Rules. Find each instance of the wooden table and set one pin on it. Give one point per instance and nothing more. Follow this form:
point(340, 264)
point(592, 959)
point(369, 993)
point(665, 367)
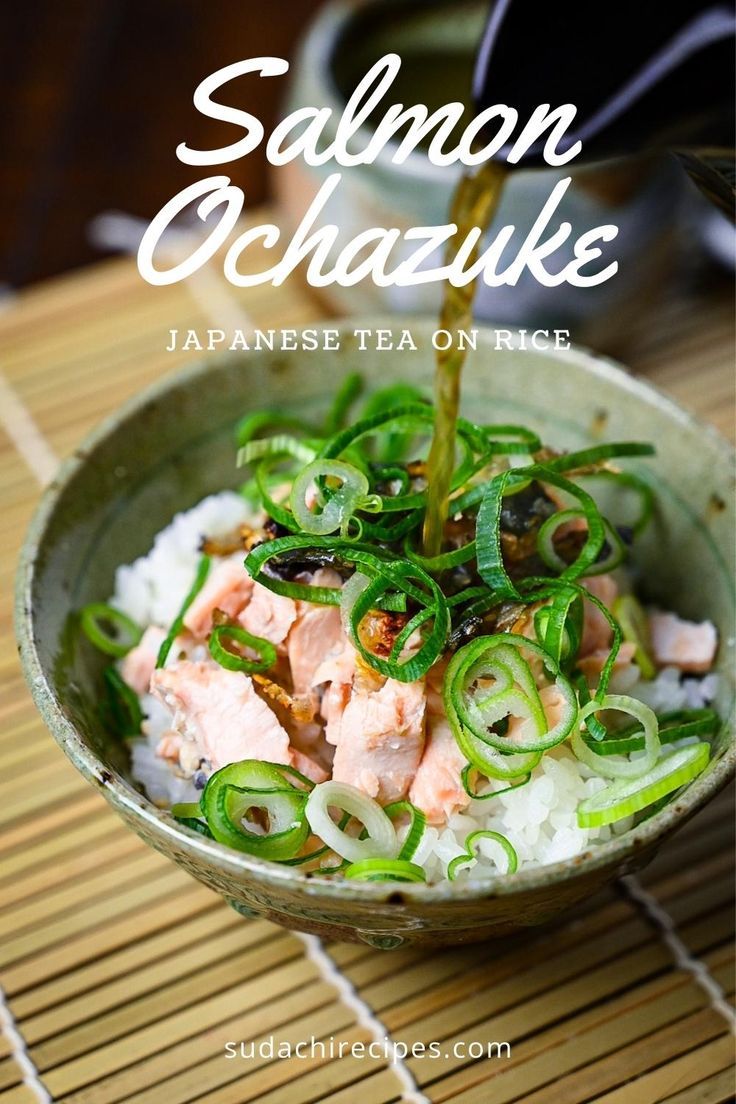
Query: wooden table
point(123, 978)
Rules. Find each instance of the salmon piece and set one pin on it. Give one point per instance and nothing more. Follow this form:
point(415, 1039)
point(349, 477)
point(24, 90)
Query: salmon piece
point(169, 746)
point(689, 645)
point(553, 704)
point(379, 738)
point(268, 615)
point(139, 664)
point(228, 587)
point(222, 713)
point(309, 767)
point(597, 633)
point(437, 788)
point(592, 664)
point(316, 632)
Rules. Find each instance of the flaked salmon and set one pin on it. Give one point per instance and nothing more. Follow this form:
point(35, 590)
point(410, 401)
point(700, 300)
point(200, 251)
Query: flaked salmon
point(597, 633)
point(228, 587)
point(138, 665)
point(689, 645)
point(221, 712)
point(379, 738)
point(316, 632)
point(437, 787)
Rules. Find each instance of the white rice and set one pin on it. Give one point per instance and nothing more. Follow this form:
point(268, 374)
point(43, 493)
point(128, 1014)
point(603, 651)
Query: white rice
point(539, 819)
point(152, 589)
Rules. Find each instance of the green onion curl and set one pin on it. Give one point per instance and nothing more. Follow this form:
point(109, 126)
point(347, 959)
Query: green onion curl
point(126, 633)
point(234, 662)
point(200, 577)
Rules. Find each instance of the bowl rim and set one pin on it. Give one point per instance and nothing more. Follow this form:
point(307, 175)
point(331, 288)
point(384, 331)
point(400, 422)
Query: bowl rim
point(160, 823)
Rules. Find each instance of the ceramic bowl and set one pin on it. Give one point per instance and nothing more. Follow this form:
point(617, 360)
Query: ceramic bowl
point(167, 449)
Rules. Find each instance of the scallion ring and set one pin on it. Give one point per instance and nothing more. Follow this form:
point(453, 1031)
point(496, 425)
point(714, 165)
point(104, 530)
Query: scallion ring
point(635, 628)
point(489, 680)
point(548, 552)
point(338, 505)
point(385, 870)
point(381, 841)
point(417, 824)
point(236, 789)
point(607, 766)
point(512, 860)
point(475, 796)
point(271, 447)
point(628, 796)
point(491, 566)
point(233, 662)
point(125, 635)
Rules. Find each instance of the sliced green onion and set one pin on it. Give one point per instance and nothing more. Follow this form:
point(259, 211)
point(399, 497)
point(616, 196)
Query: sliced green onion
point(475, 796)
point(612, 768)
point(385, 870)
point(596, 454)
point(635, 628)
point(200, 577)
point(233, 662)
point(292, 776)
point(491, 567)
point(681, 724)
point(187, 810)
point(472, 839)
point(443, 561)
point(473, 710)
point(340, 505)
point(266, 480)
point(417, 824)
point(311, 856)
point(635, 483)
point(354, 586)
point(239, 787)
point(468, 594)
point(346, 394)
point(394, 446)
point(271, 447)
point(411, 418)
point(125, 706)
point(559, 626)
point(390, 532)
point(548, 552)
point(253, 424)
point(126, 633)
point(195, 825)
point(596, 730)
point(401, 577)
point(381, 841)
point(328, 549)
point(629, 796)
point(521, 441)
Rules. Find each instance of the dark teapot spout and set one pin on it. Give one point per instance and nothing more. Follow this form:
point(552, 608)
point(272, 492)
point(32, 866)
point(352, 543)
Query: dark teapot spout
point(643, 76)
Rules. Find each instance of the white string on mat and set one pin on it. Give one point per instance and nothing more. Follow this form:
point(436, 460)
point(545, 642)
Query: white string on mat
point(659, 918)
point(364, 1014)
point(19, 1051)
point(29, 441)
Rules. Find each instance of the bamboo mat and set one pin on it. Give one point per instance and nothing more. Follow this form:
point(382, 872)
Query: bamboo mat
point(123, 978)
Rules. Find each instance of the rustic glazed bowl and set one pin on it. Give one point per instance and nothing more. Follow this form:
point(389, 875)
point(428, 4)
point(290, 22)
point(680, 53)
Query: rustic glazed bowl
point(173, 445)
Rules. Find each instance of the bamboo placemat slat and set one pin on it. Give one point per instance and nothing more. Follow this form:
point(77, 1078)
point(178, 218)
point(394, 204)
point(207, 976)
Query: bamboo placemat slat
point(125, 978)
